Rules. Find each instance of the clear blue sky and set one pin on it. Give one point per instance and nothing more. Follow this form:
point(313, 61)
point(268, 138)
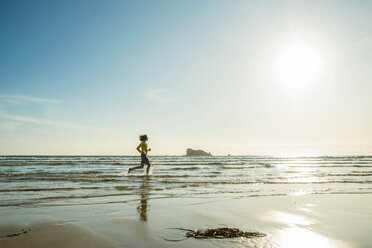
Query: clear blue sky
point(87, 77)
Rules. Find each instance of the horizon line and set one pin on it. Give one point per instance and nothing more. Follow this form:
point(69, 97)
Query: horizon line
point(225, 155)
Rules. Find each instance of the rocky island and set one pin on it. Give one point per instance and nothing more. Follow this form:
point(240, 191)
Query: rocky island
point(192, 152)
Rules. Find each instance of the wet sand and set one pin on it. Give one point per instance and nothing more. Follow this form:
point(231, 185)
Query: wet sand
point(51, 234)
point(289, 221)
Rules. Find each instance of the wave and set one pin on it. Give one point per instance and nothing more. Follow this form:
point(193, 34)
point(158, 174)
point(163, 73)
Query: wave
point(233, 167)
point(170, 176)
point(66, 179)
point(14, 164)
point(45, 173)
point(331, 166)
point(344, 175)
point(266, 182)
point(124, 188)
point(46, 189)
point(186, 168)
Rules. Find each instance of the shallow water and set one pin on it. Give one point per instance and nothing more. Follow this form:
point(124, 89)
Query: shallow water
point(66, 180)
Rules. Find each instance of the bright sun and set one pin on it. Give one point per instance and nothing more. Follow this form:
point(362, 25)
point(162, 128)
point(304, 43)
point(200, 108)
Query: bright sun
point(297, 66)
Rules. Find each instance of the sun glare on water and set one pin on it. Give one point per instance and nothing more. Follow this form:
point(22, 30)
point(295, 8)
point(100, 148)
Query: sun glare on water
point(297, 66)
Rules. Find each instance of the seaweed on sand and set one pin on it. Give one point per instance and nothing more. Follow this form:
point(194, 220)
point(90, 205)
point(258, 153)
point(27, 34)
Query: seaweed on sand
point(217, 233)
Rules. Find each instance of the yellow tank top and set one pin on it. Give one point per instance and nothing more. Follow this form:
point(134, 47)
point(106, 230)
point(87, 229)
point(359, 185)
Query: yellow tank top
point(143, 146)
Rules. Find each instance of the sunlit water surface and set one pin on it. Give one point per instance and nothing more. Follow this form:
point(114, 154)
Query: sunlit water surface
point(65, 180)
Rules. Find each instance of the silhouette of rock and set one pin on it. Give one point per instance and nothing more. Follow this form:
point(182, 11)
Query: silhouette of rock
point(191, 152)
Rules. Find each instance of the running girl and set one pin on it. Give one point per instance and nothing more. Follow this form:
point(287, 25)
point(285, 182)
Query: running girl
point(142, 148)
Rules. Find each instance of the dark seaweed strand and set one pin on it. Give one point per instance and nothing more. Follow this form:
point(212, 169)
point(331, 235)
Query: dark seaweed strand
point(177, 240)
point(219, 233)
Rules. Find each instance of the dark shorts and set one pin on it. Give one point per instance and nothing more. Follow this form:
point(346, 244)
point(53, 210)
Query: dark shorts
point(144, 159)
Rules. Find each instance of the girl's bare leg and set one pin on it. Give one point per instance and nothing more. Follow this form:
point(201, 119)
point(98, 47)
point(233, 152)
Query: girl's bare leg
point(148, 169)
point(134, 168)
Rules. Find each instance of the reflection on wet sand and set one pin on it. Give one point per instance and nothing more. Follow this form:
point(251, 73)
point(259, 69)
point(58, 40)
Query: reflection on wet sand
point(298, 233)
point(294, 236)
point(143, 204)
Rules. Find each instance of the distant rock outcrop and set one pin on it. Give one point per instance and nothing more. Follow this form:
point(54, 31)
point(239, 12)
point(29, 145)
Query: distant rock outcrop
point(191, 152)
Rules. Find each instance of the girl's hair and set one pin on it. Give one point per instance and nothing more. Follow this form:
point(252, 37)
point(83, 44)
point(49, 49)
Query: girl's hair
point(143, 137)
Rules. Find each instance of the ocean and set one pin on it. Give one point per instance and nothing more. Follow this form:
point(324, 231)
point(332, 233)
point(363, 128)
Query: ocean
point(34, 181)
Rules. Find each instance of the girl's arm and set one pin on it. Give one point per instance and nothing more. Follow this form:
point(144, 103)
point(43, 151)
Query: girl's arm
point(138, 148)
point(147, 150)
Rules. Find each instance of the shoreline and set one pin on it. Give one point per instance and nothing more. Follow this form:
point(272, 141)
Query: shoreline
point(288, 221)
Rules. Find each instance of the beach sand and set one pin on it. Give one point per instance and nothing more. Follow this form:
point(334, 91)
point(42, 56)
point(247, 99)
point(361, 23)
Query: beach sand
point(46, 233)
point(289, 221)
